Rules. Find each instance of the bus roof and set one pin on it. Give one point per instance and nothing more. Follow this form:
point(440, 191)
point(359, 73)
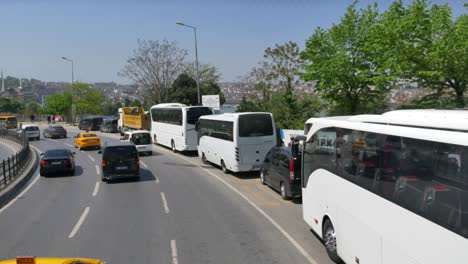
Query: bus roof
point(451, 137)
point(452, 120)
point(169, 105)
point(230, 116)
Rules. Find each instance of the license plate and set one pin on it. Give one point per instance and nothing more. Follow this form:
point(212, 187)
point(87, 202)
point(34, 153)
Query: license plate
point(121, 167)
point(56, 163)
point(141, 147)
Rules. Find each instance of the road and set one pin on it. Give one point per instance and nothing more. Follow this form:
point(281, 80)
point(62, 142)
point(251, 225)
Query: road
point(179, 212)
point(7, 148)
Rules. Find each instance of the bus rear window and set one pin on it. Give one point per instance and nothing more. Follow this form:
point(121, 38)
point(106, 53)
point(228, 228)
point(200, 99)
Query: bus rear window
point(193, 114)
point(255, 125)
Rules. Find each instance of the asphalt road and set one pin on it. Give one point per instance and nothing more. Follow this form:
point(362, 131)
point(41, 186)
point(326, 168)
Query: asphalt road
point(7, 148)
point(179, 212)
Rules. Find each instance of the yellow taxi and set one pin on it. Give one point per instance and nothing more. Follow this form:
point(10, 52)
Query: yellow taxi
point(87, 140)
point(34, 260)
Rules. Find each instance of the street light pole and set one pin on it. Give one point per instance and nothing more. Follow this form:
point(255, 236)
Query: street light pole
point(73, 89)
point(196, 57)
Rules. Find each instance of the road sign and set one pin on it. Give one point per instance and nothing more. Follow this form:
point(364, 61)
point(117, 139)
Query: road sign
point(211, 101)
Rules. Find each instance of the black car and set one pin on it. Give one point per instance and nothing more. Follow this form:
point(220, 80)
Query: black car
point(109, 126)
point(281, 170)
point(59, 160)
point(55, 132)
point(120, 160)
point(90, 123)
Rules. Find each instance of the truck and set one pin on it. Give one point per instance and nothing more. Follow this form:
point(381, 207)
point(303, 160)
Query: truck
point(133, 118)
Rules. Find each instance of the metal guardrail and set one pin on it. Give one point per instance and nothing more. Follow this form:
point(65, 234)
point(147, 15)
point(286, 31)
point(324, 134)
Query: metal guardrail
point(14, 165)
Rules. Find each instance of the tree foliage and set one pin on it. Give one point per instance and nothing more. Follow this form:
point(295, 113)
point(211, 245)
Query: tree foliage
point(184, 90)
point(154, 66)
point(87, 99)
point(59, 103)
point(10, 105)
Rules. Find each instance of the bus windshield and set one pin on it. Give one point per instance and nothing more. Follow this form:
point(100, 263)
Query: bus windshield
point(255, 125)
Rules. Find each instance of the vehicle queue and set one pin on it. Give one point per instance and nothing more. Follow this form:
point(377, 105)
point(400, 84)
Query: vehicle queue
point(370, 184)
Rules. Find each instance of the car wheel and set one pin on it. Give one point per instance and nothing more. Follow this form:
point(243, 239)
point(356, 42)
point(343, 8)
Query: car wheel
point(104, 179)
point(173, 146)
point(262, 177)
point(284, 193)
point(72, 172)
point(223, 167)
point(329, 239)
point(43, 174)
point(203, 158)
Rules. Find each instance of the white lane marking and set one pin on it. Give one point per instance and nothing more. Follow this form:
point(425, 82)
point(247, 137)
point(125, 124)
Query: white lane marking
point(79, 223)
point(97, 170)
point(142, 163)
point(174, 252)
point(166, 208)
point(157, 179)
point(96, 189)
point(10, 203)
point(91, 158)
point(70, 145)
point(260, 210)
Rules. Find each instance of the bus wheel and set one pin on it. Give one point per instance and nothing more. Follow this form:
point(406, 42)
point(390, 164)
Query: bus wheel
point(173, 146)
point(203, 158)
point(223, 167)
point(329, 239)
point(155, 140)
point(262, 177)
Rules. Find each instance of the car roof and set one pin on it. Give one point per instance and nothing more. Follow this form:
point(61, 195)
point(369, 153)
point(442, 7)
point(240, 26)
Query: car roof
point(137, 131)
point(87, 133)
point(28, 125)
point(118, 144)
point(54, 149)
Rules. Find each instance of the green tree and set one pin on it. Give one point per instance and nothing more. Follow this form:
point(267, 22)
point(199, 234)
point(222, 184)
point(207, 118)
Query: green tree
point(33, 107)
point(127, 102)
point(342, 63)
point(10, 105)
point(136, 103)
point(184, 90)
point(213, 88)
point(248, 106)
point(58, 103)
point(87, 99)
point(208, 73)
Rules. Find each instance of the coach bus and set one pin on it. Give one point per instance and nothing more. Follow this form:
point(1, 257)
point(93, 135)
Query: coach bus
point(236, 141)
point(173, 125)
point(378, 193)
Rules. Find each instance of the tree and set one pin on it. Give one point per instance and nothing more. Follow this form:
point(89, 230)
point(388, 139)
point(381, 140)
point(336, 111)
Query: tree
point(33, 107)
point(213, 88)
point(184, 90)
point(425, 44)
point(127, 102)
point(87, 99)
point(135, 103)
point(208, 73)
point(58, 103)
point(10, 105)
point(343, 64)
point(154, 66)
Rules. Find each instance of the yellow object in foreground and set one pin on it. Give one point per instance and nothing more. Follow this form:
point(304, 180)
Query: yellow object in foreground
point(34, 260)
point(87, 139)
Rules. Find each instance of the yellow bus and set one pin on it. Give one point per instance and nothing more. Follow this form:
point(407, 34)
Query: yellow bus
point(9, 121)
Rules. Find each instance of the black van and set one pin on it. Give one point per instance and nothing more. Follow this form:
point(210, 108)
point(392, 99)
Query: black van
point(90, 123)
point(120, 160)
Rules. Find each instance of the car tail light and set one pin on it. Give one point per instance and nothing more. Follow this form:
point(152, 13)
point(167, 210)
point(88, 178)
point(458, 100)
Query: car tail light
point(137, 161)
point(104, 163)
point(291, 170)
point(67, 161)
point(43, 162)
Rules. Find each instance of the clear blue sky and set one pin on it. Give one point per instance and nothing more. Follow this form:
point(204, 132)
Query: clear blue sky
point(101, 35)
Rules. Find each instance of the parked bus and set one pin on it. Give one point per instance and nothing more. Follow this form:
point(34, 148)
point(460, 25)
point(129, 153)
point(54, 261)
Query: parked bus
point(173, 125)
point(9, 121)
point(236, 142)
point(378, 193)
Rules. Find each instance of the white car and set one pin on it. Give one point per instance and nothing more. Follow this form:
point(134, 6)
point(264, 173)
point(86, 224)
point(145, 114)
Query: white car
point(141, 139)
point(31, 131)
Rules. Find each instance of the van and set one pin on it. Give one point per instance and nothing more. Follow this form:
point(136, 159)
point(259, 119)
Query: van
point(30, 131)
point(90, 123)
point(141, 139)
point(119, 160)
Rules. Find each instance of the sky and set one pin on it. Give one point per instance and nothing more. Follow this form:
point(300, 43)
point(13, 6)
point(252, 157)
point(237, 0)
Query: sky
point(100, 35)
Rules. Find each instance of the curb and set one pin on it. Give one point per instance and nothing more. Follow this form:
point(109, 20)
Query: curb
point(13, 189)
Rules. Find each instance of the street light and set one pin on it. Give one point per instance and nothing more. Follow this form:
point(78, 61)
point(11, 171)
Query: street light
point(73, 89)
point(196, 56)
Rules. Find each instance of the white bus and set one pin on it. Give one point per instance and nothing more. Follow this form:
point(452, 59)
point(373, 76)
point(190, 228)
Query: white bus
point(236, 141)
point(379, 193)
point(173, 125)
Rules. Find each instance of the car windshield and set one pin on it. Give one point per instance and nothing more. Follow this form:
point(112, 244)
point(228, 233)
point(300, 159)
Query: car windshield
point(55, 153)
point(89, 135)
point(32, 128)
